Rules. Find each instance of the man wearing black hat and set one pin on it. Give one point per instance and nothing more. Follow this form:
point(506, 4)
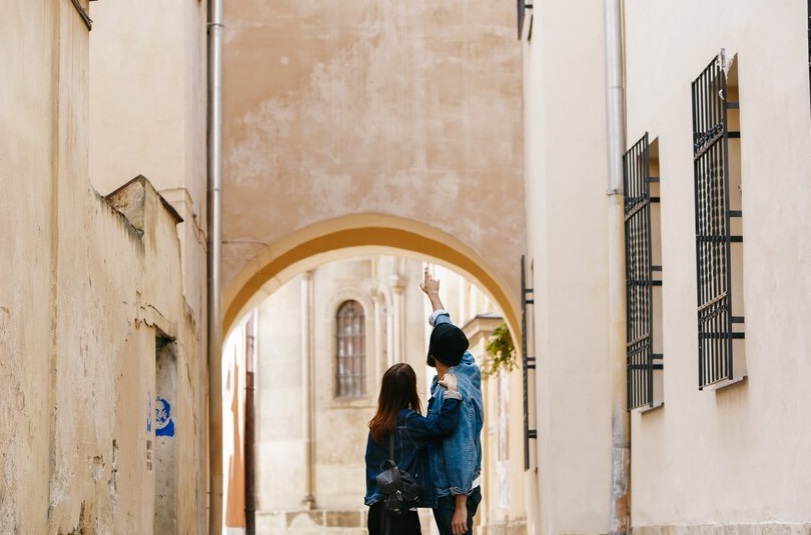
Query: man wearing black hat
point(456, 462)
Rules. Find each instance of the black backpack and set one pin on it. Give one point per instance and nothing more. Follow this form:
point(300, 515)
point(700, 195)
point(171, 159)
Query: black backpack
point(401, 491)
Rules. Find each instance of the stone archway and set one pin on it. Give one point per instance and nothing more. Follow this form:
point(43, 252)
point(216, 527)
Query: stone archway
point(368, 234)
point(315, 243)
point(387, 126)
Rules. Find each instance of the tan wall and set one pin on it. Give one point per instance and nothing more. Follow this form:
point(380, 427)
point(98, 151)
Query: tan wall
point(410, 110)
point(729, 456)
point(567, 233)
point(28, 178)
point(148, 113)
point(81, 306)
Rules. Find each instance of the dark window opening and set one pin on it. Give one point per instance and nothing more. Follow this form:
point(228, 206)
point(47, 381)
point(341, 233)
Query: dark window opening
point(350, 379)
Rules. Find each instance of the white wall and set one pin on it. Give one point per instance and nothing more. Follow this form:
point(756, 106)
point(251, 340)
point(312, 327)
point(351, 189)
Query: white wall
point(567, 263)
point(730, 456)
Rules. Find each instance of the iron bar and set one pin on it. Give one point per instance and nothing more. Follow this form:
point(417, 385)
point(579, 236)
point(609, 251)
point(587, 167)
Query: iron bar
point(527, 362)
point(83, 14)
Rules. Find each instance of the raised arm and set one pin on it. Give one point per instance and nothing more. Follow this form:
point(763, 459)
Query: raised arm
point(430, 286)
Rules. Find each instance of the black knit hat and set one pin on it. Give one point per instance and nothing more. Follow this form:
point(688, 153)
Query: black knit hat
point(447, 345)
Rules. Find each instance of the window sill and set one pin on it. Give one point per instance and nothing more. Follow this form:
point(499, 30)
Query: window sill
point(352, 402)
point(649, 408)
point(726, 383)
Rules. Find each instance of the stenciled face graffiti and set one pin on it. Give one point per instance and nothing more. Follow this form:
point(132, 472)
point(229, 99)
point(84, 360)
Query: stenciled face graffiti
point(164, 424)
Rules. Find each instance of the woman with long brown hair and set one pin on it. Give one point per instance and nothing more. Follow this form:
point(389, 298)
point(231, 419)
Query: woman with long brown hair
point(400, 427)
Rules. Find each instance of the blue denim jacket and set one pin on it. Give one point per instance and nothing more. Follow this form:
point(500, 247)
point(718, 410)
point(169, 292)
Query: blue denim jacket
point(413, 433)
point(456, 461)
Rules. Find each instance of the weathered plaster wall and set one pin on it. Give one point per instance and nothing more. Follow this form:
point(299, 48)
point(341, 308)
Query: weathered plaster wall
point(363, 107)
point(84, 298)
point(148, 113)
point(27, 287)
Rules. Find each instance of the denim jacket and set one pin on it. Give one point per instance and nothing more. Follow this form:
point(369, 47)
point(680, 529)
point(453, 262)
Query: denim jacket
point(411, 436)
point(456, 461)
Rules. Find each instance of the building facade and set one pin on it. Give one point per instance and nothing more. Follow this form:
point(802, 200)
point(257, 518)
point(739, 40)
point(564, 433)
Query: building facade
point(650, 160)
point(102, 427)
point(706, 290)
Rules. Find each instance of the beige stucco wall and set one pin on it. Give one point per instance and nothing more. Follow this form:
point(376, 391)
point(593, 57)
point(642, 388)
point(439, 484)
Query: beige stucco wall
point(731, 456)
point(26, 290)
point(411, 110)
point(81, 306)
point(567, 265)
point(147, 116)
point(711, 460)
point(148, 113)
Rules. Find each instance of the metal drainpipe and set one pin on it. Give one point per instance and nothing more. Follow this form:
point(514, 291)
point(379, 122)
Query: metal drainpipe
point(615, 123)
point(308, 388)
point(250, 424)
point(214, 227)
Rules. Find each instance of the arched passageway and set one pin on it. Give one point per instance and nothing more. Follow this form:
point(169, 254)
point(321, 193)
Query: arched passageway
point(310, 432)
point(375, 126)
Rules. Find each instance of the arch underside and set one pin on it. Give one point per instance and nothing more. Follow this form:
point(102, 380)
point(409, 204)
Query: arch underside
point(354, 236)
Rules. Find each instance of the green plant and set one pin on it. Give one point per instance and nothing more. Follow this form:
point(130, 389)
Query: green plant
point(500, 352)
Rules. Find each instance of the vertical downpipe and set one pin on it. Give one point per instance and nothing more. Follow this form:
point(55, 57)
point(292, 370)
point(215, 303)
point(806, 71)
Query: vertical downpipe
point(307, 387)
point(214, 229)
point(250, 424)
point(615, 125)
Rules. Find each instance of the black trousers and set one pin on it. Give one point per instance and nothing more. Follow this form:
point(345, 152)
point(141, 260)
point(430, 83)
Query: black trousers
point(408, 524)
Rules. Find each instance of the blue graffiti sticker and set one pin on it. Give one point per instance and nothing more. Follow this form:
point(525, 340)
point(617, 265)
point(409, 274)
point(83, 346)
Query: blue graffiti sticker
point(164, 425)
point(149, 412)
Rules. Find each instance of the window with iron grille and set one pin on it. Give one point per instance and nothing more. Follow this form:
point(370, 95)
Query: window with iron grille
point(521, 7)
point(350, 355)
point(718, 214)
point(528, 365)
point(642, 275)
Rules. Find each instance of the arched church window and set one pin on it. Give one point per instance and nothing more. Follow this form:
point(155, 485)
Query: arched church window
point(350, 375)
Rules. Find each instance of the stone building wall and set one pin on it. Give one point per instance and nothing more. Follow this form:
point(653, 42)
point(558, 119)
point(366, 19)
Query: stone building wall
point(92, 286)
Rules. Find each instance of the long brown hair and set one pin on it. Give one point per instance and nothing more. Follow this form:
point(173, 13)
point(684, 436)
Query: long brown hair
point(398, 390)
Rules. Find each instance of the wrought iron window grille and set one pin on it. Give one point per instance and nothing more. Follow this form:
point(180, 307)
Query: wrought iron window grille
point(527, 361)
point(521, 8)
point(80, 9)
point(718, 263)
point(641, 276)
